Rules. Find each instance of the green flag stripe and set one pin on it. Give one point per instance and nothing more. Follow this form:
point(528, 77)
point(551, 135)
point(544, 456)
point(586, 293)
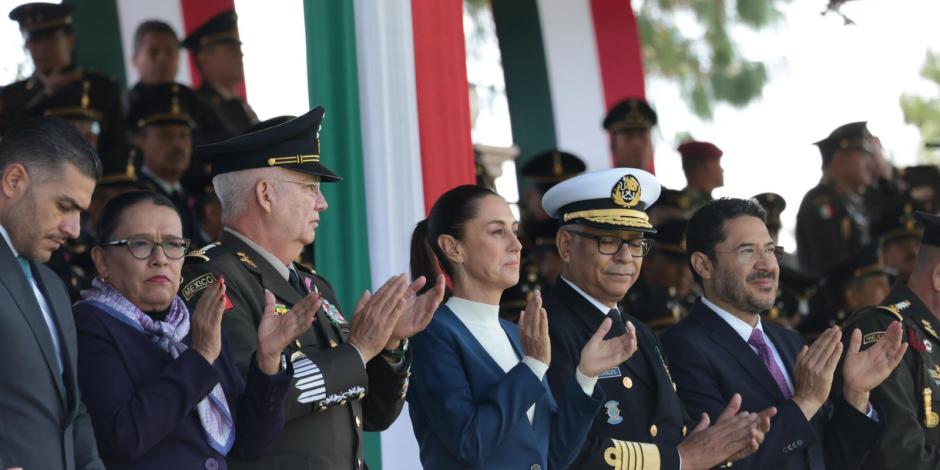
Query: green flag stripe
point(342, 245)
point(99, 48)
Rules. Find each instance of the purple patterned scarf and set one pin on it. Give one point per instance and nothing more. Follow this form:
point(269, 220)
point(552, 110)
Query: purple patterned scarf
point(168, 334)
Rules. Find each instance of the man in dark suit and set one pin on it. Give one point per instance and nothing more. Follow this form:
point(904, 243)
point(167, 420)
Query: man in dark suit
point(48, 175)
point(349, 377)
point(723, 348)
point(643, 424)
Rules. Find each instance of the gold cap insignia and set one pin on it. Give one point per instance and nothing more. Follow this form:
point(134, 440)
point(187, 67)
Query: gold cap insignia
point(626, 193)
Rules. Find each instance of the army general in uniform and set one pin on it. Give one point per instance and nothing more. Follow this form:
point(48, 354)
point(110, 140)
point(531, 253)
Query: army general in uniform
point(348, 377)
point(910, 397)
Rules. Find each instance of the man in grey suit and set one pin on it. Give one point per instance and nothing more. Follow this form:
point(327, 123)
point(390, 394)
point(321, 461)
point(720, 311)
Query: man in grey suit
point(47, 175)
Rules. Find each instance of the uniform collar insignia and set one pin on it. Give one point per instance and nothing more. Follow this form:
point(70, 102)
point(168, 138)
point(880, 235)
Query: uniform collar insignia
point(245, 259)
point(929, 328)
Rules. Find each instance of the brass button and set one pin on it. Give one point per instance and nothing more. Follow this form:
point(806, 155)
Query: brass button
point(654, 430)
point(627, 382)
point(342, 403)
point(322, 408)
point(332, 344)
point(362, 395)
point(685, 430)
point(535, 467)
point(358, 422)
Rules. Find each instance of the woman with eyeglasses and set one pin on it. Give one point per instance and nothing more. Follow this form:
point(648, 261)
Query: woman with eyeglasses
point(160, 383)
point(478, 396)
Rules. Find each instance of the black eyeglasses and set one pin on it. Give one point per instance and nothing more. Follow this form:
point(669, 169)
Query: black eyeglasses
point(611, 245)
point(144, 248)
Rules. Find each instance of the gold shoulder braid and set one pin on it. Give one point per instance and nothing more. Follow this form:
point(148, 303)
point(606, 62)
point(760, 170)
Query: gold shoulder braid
point(200, 254)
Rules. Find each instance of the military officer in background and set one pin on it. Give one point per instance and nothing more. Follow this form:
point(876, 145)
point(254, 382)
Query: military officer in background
point(909, 399)
point(664, 292)
point(47, 28)
point(348, 377)
point(898, 235)
point(629, 124)
point(643, 424)
point(217, 50)
point(163, 127)
point(701, 163)
point(833, 222)
point(541, 173)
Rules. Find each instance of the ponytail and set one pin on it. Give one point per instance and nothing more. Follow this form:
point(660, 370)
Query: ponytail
point(423, 259)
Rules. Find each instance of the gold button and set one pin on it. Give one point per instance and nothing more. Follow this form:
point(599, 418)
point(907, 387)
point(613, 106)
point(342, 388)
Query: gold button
point(685, 430)
point(342, 403)
point(361, 395)
point(627, 382)
point(358, 422)
point(332, 344)
point(322, 408)
point(654, 430)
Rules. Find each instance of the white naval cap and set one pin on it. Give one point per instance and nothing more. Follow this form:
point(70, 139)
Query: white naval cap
point(614, 199)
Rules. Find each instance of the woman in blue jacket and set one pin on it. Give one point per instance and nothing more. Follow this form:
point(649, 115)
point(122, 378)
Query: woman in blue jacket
point(478, 395)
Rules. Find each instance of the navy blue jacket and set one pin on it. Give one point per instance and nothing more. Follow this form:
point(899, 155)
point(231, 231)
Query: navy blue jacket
point(143, 403)
point(468, 413)
point(710, 362)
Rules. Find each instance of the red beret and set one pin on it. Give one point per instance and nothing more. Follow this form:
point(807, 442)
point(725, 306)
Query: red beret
point(695, 149)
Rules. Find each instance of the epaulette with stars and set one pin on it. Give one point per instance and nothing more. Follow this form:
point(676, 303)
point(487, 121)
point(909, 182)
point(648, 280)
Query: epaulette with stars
point(201, 254)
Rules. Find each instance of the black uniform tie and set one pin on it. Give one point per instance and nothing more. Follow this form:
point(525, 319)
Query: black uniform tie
point(294, 281)
point(617, 327)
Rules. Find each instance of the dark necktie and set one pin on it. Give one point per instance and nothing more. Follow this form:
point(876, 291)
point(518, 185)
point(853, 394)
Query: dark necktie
point(767, 357)
point(617, 327)
point(294, 281)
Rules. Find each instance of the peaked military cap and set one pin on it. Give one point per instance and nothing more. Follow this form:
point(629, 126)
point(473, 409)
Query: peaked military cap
point(221, 28)
point(931, 227)
point(866, 262)
point(670, 238)
point(75, 101)
point(121, 179)
point(774, 204)
point(552, 167)
point(851, 136)
point(167, 103)
point(294, 144)
point(895, 223)
point(613, 199)
point(631, 113)
point(694, 149)
point(41, 17)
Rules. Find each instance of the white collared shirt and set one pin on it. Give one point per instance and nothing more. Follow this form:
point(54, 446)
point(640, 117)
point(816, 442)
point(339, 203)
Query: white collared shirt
point(744, 331)
point(41, 300)
point(603, 308)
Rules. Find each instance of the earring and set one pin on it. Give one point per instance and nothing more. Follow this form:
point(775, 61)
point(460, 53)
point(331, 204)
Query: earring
point(104, 279)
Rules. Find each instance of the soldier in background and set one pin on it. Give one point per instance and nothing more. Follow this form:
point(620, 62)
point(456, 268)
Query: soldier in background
point(163, 126)
point(701, 163)
point(629, 124)
point(898, 235)
point(665, 291)
point(833, 222)
point(217, 50)
point(47, 29)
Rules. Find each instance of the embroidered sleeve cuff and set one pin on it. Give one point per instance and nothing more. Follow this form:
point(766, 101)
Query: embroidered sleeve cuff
point(587, 383)
point(538, 367)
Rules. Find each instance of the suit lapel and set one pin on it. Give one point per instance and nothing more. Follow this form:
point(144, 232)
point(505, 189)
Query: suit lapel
point(592, 318)
point(21, 291)
point(727, 338)
point(61, 312)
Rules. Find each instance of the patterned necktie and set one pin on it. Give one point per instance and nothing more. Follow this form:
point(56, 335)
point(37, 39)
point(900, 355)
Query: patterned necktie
point(617, 327)
point(763, 350)
point(294, 281)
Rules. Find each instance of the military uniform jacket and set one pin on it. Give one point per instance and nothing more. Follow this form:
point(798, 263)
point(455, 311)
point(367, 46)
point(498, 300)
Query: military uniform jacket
point(642, 420)
point(235, 115)
point(909, 398)
point(26, 98)
point(333, 398)
point(711, 363)
point(657, 308)
point(830, 227)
